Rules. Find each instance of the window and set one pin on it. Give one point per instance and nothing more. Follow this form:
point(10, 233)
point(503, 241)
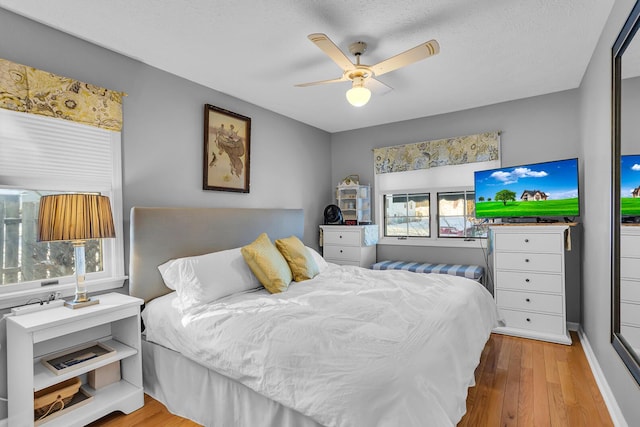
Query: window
point(24, 259)
point(456, 215)
point(40, 156)
point(407, 215)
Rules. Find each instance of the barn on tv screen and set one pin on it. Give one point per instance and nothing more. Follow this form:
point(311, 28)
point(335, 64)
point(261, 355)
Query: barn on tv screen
point(537, 190)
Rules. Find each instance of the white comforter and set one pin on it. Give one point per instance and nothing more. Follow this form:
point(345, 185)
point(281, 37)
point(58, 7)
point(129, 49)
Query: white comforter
point(352, 347)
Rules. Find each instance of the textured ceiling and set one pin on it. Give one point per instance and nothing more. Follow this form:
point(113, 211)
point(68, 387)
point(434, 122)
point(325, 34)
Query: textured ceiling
point(257, 50)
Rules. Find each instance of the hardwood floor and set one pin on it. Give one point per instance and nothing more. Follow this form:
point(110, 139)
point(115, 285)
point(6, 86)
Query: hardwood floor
point(522, 382)
point(519, 382)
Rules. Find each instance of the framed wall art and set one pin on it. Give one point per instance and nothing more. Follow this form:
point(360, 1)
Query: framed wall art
point(227, 137)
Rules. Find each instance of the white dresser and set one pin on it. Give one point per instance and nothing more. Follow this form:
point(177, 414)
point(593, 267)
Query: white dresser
point(531, 264)
point(630, 284)
point(349, 244)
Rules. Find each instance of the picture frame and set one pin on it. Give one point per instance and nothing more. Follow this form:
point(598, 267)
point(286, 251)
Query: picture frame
point(227, 143)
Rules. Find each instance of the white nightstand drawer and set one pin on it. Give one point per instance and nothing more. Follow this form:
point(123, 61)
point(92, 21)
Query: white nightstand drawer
point(629, 291)
point(545, 323)
point(629, 245)
point(346, 237)
point(530, 301)
point(342, 252)
point(629, 267)
point(344, 261)
point(551, 263)
point(529, 242)
point(527, 281)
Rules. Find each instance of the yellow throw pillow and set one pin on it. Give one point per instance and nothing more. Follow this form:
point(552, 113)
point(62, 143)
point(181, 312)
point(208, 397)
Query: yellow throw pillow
point(267, 264)
point(300, 261)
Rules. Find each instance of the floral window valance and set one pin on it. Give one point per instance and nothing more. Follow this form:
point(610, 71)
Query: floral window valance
point(30, 90)
point(481, 147)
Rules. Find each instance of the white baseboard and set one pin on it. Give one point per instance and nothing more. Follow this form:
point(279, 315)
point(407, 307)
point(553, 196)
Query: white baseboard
point(603, 385)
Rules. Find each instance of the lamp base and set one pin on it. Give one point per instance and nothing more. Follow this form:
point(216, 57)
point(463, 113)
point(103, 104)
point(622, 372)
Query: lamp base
point(80, 304)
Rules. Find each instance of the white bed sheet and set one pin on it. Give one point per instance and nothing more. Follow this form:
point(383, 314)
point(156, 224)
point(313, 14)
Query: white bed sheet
point(352, 347)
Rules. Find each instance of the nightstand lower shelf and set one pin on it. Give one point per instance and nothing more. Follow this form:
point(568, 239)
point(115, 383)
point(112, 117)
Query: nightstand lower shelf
point(121, 396)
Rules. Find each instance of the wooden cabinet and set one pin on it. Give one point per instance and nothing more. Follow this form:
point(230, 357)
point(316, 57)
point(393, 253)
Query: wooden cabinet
point(630, 284)
point(355, 203)
point(115, 321)
point(531, 264)
point(350, 244)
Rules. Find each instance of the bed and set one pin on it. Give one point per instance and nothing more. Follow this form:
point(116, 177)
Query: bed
point(349, 347)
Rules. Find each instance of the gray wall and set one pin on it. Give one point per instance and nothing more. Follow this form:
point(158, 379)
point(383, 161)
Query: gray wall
point(163, 130)
point(595, 152)
point(535, 129)
point(163, 135)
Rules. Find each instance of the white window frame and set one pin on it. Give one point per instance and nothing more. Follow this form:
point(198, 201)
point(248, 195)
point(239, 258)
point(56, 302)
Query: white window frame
point(113, 274)
point(433, 181)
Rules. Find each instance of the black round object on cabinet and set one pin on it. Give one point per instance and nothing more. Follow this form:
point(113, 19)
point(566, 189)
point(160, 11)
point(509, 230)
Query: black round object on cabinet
point(332, 215)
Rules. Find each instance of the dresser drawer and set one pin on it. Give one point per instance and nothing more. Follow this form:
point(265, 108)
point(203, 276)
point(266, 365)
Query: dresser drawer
point(630, 313)
point(545, 323)
point(346, 237)
point(550, 263)
point(629, 245)
point(340, 252)
point(629, 268)
point(529, 242)
point(529, 301)
point(632, 335)
point(527, 281)
point(629, 291)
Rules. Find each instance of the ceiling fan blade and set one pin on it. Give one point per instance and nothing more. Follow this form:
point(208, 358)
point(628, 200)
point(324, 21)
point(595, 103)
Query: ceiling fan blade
point(321, 82)
point(328, 47)
point(377, 87)
point(410, 56)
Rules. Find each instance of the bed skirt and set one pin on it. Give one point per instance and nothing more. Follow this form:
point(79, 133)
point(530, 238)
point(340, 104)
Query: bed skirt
point(192, 391)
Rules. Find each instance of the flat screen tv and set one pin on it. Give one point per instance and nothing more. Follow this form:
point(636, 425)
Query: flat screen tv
point(539, 190)
point(630, 186)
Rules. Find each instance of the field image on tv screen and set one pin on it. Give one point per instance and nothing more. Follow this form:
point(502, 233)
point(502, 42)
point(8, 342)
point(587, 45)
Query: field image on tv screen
point(537, 190)
point(630, 185)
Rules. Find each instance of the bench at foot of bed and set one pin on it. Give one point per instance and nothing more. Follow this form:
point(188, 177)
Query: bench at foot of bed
point(474, 272)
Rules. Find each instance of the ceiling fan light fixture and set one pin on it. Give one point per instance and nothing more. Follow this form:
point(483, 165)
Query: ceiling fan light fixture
point(358, 95)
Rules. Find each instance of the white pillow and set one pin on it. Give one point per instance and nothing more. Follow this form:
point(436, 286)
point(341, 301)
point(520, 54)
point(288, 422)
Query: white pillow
point(320, 262)
point(205, 278)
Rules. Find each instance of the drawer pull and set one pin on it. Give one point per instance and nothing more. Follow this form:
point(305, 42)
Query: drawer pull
point(528, 320)
point(526, 240)
point(527, 300)
point(526, 260)
point(341, 236)
point(527, 280)
point(340, 250)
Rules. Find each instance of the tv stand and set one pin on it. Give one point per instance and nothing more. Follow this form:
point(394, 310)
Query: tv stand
point(546, 221)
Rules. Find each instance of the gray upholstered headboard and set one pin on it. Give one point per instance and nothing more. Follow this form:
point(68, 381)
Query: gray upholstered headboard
point(161, 234)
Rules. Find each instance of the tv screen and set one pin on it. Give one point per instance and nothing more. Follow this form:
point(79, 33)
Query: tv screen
point(539, 190)
point(630, 185)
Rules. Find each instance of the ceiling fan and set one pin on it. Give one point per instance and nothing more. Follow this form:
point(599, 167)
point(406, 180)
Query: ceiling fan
point(362, 75)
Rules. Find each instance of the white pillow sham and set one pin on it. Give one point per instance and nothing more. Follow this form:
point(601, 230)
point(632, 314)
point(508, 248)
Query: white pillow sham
point(320, 262)
point(205, 278)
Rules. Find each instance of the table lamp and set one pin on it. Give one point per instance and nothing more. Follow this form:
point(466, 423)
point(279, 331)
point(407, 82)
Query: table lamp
point(75, 218)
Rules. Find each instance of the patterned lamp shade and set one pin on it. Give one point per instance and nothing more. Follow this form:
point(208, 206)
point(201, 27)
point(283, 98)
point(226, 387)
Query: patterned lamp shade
point(75, 217)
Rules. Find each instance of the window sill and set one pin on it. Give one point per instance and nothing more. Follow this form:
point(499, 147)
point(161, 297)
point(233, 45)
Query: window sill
point(12, 299)
point(435, 242)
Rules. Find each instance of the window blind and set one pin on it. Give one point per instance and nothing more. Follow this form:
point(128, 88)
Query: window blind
point(45, 153)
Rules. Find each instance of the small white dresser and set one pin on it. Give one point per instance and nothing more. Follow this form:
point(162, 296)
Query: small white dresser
point(630, 284)
point(531, 265)
point(349, 244)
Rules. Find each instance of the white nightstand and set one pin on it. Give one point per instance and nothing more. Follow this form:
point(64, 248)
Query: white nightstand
point(115, 321)
point(350, 244)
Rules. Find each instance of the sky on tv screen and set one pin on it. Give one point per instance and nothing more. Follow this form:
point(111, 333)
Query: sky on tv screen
point(629, 174)
point(558, 179)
